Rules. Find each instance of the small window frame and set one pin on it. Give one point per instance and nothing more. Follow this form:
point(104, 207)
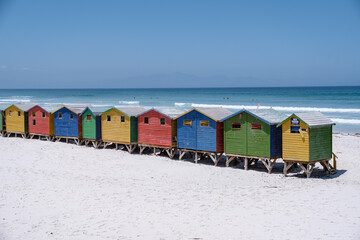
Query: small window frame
point(108, 118)
point(204, 123)
point(33, 114)
point(59, 115)
point(256, 126)
point(187, 123)
point(10, 113)
point(88, 117)
point(162, 121)
point(71, 115)
point(234, 124)
point(19, 114)
point(295, 129)
point(122, 119)
point(146, 120)
point(43, 114)
point(34, 122)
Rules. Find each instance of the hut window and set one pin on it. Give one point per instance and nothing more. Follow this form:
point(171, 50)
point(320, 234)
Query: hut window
point(108, 118)
point(204, 123)
point(146, 120)
point(256, 126)
point(10, 113)
point(122, 119)
point(43, 114)
point(33, 114)
point(60, 115)
point(236, 125)
point(19, 113)
point(187, 123)
point(71, 116)
point(295, 129)
point(88, 117)
point(34, 122)
point(240, 116)
point(162, 121)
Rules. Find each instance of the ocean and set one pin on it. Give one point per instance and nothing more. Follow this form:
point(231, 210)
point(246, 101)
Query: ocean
point(341, 104)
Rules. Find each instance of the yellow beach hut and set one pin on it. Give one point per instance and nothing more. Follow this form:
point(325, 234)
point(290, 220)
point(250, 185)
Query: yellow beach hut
point(119, 126)
point(306, 140)
point(16, 119)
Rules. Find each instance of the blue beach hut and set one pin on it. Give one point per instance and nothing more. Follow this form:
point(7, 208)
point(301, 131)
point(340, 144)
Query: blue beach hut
point(68, 123)
point(200, 130)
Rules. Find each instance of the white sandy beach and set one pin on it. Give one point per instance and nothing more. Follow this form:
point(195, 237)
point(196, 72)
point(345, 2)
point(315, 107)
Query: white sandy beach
point(63, 191)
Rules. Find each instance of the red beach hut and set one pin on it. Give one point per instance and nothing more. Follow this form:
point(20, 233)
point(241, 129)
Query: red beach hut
point(41, 122)
point(157, 130)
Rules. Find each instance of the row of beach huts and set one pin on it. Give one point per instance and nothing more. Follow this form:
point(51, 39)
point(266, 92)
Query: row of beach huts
point(264, 135)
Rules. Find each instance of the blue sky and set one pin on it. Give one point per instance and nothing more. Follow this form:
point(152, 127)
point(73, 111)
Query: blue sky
point(74, 44)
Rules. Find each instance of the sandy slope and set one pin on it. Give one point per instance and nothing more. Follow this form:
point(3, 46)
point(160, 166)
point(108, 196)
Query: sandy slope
point(62, 191)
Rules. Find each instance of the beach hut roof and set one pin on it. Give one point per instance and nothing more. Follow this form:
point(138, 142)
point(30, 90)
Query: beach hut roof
point(311, 119)
point(4, 106)
point(269, 115)
point(132, 111)
point(47, 108)
point(215, 113)
point(97, 110)
point(74, 108)
point(167, 112)
point(23, 107)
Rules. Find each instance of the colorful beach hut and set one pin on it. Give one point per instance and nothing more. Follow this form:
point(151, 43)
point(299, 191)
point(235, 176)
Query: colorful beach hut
point(157, 130)
point(16, 119)
point(253, 134)
point(91, 125)
point(67, 123)
point(41, 122)
point(199, 130)
point(307, 139)
point(120, 126)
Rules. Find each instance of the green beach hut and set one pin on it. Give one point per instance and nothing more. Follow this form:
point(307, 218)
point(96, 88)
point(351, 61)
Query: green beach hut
point(91, 125)
point(253, 134)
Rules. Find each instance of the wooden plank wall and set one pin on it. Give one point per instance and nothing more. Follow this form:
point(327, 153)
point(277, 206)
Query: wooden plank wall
point(115, 130)
point(154, 133)
point(42, 123)
point(15, 123)
point(295, 146)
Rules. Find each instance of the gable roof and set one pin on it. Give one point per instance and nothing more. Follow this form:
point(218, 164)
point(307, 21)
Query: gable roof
point(311, 119)
point(129, 111)
point(96, 110)
point(168, 114)
point(47, 108)
point(23, 107)
point(269, 115)
point(215, 113)
point(74, 108)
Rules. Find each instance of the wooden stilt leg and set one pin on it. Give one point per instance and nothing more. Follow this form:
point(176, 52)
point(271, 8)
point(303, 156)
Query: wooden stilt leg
point(308, 169)
point(287, 166)
point(229, 160)
point(181, 154)
point(246, 164)
point(196, 157)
